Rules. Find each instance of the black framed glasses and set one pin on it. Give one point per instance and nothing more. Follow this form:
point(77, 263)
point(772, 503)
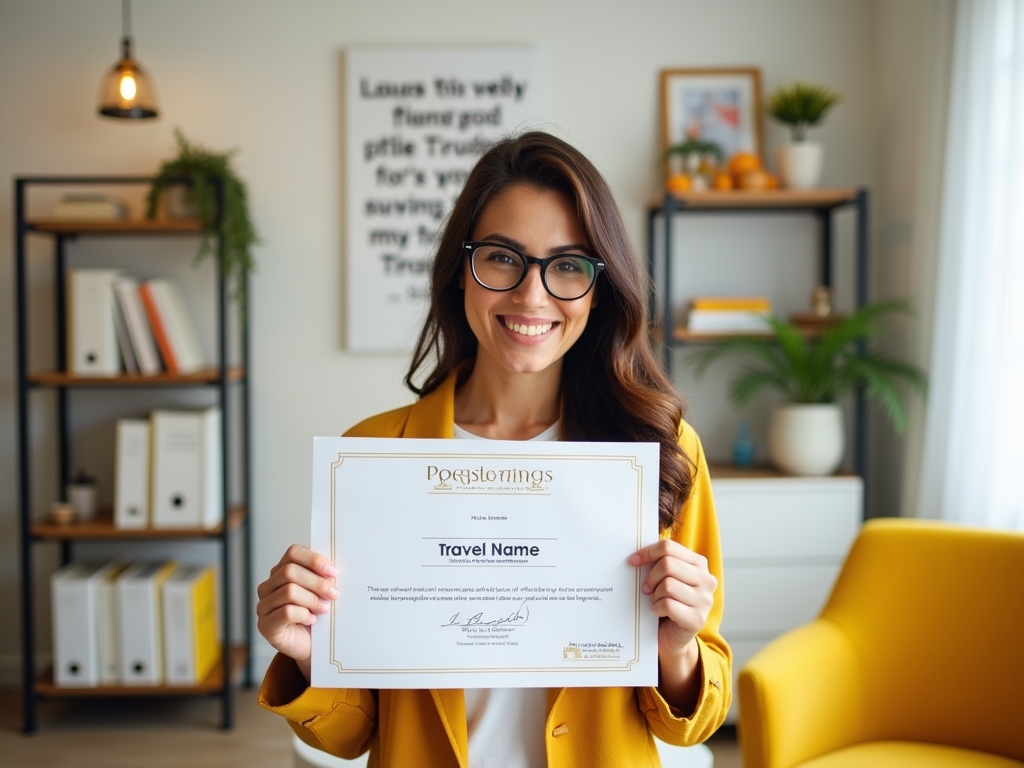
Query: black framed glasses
point(500, 267)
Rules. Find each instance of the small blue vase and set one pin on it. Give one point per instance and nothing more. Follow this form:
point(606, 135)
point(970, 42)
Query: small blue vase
point(743, 447)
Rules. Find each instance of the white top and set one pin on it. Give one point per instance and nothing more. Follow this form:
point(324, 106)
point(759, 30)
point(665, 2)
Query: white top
point(506, 725)
point(551, 433)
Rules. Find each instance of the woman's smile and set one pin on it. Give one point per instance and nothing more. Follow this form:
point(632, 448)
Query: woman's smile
point(527, 330)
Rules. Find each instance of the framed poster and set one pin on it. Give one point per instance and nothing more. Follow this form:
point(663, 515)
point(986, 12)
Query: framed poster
point(719, 105)
point(415, 122)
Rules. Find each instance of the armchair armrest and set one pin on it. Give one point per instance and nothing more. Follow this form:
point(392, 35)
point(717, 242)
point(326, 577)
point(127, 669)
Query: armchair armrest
point(800, 697)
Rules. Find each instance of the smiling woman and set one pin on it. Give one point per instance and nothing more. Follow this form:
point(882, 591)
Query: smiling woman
point(537, 330)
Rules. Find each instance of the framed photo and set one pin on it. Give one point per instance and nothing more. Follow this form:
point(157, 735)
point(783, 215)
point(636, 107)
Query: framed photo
point(719, 105)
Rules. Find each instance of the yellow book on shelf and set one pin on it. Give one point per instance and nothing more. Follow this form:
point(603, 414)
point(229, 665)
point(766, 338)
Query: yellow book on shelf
point(732, 303)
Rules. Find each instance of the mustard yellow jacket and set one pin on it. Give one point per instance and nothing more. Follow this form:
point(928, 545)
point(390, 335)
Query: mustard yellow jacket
point(586, 727)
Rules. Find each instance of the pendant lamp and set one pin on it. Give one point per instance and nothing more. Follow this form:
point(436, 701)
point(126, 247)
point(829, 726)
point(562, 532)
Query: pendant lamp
point(126, 92)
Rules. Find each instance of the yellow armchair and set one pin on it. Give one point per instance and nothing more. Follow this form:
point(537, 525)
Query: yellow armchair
point(916, 661)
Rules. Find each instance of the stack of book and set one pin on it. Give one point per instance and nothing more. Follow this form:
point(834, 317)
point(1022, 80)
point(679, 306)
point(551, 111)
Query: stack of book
point(89, 207)
point(117, 324)
point(167, 470)
point(137, 624)
point(733, 314)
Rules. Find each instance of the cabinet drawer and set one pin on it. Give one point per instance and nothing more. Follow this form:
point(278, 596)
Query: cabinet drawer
point(762, 602)
point(782, 518)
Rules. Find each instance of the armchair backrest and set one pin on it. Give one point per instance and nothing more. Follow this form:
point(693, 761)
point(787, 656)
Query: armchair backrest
point(935, 612)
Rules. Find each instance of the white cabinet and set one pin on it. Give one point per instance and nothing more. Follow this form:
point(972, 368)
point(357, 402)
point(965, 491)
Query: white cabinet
point(784, 540)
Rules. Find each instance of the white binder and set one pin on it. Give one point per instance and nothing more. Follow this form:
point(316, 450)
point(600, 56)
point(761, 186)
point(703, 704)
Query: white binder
point(107, 639)
point(92, 335)
point(124, 341)
point(191, 649)
point(127, 290)
point(139, 622)
point(75, 605)
point(186, 478)
point(131, 474)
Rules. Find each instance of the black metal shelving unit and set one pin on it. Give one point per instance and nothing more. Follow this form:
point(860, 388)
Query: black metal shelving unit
point(822, 204)
point(235, 659)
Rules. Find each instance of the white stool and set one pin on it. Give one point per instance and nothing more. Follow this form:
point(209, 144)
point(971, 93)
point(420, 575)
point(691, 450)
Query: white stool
point(698, 756)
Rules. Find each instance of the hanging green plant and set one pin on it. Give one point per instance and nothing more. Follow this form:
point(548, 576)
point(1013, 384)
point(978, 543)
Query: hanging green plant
point(200, 169)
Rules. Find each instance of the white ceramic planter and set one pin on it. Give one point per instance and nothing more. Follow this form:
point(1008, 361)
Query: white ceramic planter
point(807, 438)
point(800, 164)
point(178, 203)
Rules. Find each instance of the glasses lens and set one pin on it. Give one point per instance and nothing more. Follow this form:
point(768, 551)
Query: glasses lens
point(569, 277)
point(497, 267)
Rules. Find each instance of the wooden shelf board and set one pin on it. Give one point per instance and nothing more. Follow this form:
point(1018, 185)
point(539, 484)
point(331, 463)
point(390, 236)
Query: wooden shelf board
point(212, 684)
point(777, 198)
point(684, 336)
point(115, 226)
point(203, 376)
point(103, 528)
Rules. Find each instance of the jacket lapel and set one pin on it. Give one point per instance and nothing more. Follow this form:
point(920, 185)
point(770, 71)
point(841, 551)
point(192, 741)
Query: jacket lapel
point(434, 415)
point(451, 706)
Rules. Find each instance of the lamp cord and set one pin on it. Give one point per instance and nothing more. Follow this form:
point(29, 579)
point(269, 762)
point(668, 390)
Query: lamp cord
point(126, 29)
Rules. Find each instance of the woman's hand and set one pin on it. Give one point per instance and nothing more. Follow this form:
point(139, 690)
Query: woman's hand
point(298, 590)
point(682, 591)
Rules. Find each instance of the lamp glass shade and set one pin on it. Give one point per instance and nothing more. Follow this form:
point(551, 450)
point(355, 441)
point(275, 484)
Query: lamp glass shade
point(127, 92)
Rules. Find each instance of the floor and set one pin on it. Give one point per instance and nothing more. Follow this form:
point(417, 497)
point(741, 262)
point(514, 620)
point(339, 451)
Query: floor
point(130, 733)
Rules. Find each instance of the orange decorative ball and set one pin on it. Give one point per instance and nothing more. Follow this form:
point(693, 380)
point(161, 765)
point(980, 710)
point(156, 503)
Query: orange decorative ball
point(743, 162)
point(755, 179)
point(722, 181)
point(679, 182)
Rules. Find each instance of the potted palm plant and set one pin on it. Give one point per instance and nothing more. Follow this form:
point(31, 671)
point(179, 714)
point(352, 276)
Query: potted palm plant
point(187, 186)
point(800, 106)
point(806, 434)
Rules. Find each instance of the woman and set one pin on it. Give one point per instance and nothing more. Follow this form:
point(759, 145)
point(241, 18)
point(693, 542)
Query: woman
point(537, 330)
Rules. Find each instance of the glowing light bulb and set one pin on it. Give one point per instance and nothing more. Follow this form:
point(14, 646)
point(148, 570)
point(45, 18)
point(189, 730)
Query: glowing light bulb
point(127, 86)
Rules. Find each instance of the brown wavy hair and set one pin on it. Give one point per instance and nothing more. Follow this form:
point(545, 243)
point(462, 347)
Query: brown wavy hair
point(612, 386)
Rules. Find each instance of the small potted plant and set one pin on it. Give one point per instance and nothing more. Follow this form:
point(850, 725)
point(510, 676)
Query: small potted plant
point(800, 106)
point(187, 185)
point(700, 159)
point(806, 432)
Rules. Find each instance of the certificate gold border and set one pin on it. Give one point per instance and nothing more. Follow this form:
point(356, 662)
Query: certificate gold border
point(576, 667)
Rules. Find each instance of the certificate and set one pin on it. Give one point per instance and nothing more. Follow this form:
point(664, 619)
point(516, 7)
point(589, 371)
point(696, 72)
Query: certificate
point(484, 563)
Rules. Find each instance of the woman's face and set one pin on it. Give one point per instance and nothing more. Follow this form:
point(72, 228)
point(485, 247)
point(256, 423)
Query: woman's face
point(539, 223)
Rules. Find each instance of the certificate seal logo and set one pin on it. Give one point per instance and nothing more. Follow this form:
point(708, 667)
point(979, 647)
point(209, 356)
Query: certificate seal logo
point(592, 651)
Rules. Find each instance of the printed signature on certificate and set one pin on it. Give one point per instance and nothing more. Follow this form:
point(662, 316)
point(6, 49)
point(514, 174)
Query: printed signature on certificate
point(517, 618)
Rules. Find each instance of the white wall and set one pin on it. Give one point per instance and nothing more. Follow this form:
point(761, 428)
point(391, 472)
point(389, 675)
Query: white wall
point(264, 77)
point(915, 47)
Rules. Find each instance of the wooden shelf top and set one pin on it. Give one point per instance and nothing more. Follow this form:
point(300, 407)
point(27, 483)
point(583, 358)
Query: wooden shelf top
point(213, 683)
point(776, 198)
point(687, 336)
point(103, 528)
point(115, 226)
point(203, 376)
